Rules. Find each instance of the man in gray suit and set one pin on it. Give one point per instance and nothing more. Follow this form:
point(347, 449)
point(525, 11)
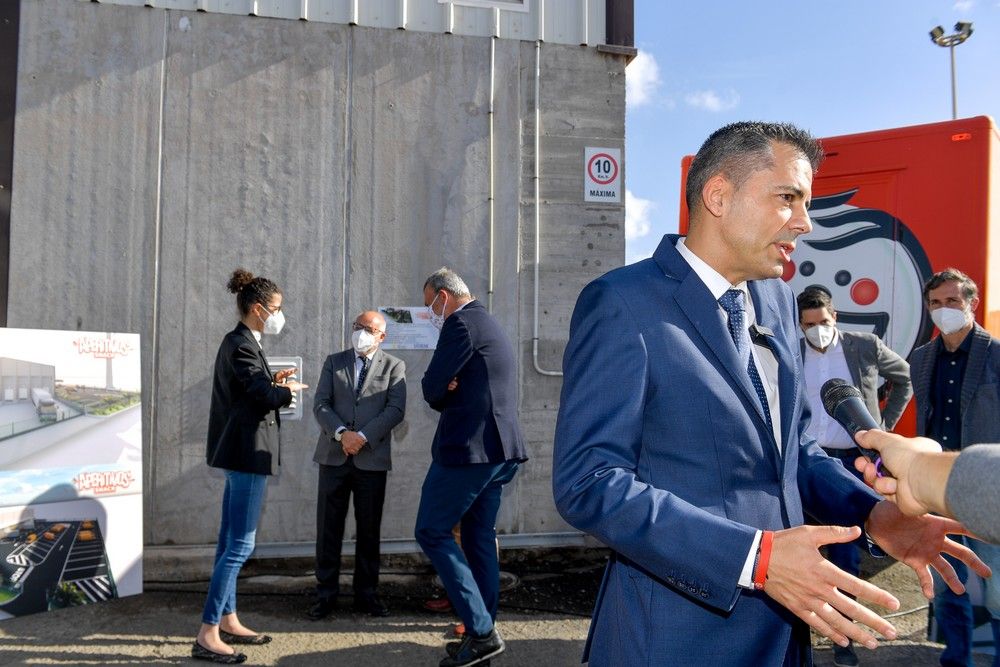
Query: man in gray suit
point(956, 378)
point(360, 398)
point(861, 358)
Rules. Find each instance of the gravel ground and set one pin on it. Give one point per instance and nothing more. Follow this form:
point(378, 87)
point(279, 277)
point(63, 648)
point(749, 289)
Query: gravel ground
point(544, 618)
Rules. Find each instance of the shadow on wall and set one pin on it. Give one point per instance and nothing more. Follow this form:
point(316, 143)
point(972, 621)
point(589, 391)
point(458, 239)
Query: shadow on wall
point(131, 40)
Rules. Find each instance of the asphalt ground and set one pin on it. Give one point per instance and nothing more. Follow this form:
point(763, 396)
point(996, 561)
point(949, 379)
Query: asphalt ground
point(543, 618)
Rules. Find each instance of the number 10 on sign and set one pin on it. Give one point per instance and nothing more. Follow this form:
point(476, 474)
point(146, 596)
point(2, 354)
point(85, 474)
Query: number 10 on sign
point(602, 175)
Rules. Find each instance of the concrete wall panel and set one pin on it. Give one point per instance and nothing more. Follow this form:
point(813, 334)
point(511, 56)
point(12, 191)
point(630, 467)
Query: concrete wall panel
point(344, 162)
point(254, 177)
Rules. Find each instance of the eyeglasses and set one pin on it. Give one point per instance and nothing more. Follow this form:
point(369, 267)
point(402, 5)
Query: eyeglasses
point(372, 330)
point(277, 309)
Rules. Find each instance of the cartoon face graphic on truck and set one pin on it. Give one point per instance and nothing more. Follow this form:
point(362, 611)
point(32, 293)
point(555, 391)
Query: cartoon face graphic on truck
point(872, 265)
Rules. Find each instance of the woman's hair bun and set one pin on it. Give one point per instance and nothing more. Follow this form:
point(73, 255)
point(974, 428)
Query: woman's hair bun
point(241, 278)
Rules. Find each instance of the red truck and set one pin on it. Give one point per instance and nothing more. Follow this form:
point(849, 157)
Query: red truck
point(890, 208)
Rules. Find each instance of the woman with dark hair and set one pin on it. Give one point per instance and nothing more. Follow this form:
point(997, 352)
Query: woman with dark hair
point(243, 440)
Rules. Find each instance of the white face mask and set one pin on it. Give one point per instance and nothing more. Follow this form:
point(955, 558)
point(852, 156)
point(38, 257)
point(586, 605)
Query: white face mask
point(950, 320)
point(363, 341)
point(275, 323)
point(820, 336)
point(437, 320)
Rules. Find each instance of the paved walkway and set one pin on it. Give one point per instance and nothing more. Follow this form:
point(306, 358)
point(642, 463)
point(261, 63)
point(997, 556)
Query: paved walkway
point(544, 622)
point(158, 628)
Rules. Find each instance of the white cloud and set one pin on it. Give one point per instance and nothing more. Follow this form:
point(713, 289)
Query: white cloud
point(637, 213)
point(711, 100)
point(642, 78)
point(633, 255)
point(964, 5)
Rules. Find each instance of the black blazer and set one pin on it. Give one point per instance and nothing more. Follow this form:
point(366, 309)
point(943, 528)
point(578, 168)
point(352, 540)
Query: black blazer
point(243, 425)
point(478, 422)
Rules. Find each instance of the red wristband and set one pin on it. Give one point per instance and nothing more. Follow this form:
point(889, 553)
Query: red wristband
point(760, 573)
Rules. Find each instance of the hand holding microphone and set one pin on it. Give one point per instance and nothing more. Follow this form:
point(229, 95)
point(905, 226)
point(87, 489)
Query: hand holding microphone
point(844, 403)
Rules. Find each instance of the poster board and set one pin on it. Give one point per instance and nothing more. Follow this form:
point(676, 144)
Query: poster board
point(70, 469)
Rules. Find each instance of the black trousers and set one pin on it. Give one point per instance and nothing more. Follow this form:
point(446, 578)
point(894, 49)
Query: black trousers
point(336, 484)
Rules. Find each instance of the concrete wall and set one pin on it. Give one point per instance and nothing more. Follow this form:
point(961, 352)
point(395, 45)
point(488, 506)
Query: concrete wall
point(157, 150)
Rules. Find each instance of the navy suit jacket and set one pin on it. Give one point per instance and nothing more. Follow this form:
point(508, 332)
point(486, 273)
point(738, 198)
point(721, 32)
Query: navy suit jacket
point(478, 422)
point(663, 454)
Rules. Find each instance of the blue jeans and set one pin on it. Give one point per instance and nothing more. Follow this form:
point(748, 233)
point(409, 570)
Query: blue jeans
point(241, 503)
point(953, 613)
point(470, 574)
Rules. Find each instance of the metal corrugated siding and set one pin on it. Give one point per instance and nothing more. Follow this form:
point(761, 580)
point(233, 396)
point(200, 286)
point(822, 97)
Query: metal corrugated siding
point(558, 21)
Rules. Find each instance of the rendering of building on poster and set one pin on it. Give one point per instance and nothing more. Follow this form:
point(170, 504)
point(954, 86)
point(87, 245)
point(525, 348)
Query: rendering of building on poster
point(70, 469)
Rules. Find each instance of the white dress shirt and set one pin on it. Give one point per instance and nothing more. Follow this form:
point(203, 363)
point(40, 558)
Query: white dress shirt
point(357, 373)
point(819, 367)
point(357, 366)
point(762, 357)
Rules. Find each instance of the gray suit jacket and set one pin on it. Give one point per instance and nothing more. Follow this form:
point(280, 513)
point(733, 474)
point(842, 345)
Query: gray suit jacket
point(972, 494)
point(868, 358)
point(379, 408)
point(980, 402)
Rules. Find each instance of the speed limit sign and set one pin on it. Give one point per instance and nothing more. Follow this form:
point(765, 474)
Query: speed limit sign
point(602, 175)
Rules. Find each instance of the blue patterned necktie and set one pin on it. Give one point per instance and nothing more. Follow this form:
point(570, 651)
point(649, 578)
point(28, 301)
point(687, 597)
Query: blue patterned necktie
point(732, 303)
point(362, 374)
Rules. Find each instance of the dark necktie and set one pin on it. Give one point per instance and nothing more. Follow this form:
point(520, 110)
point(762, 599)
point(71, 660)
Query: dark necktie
point(362, 374)
point(732, 303)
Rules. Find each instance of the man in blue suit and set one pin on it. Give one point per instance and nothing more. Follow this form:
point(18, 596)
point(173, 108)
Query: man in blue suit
point(472, 381)
point(681, 442)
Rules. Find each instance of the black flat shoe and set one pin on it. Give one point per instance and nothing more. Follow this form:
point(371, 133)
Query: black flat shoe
point(255, 640)
point(199, 652)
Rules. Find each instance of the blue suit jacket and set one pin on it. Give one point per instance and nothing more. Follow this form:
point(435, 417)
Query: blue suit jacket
point(662, 453)
point(478, 422)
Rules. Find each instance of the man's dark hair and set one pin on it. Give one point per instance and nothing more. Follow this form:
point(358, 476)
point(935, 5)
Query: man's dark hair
point(967, 284)
point(813, 297)
point(739, 149)
point(250, 289)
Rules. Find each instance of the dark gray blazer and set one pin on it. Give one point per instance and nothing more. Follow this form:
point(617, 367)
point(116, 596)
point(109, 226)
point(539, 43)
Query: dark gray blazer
point(868, 358)
point(980, 402)
point(380, 407)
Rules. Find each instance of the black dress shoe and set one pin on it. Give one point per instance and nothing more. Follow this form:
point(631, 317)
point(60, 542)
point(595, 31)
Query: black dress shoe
point(199, 652)
point(371, 605)
point(452, 649)
point(323, 608)
point(475, 650)
point(844, 656)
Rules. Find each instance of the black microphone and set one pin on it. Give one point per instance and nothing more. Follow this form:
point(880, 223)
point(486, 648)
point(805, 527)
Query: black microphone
point(844, 403)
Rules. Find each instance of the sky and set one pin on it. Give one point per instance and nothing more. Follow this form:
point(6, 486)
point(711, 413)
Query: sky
point(830, 66)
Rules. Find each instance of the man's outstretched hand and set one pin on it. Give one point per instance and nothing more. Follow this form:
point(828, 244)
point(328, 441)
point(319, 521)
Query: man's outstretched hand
point(800, 579)
point(920, 541)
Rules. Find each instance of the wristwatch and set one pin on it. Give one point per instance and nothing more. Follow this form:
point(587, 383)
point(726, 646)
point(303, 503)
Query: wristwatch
point(339, 434)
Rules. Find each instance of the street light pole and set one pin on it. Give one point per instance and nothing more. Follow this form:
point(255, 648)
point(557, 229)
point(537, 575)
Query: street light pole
point(963, 31)
point(954, 86)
